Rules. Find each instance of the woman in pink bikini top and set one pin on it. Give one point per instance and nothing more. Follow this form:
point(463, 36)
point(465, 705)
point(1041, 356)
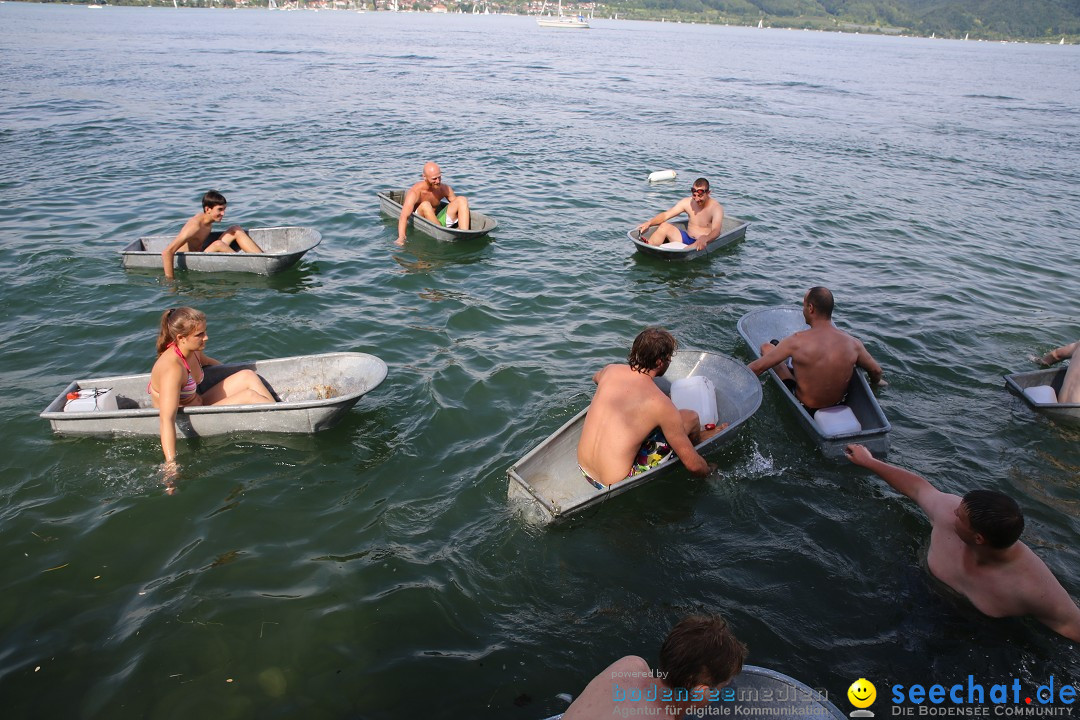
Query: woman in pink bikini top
point(177, 375)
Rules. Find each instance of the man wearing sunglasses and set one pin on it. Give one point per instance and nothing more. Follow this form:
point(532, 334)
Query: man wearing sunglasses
point(706, 220)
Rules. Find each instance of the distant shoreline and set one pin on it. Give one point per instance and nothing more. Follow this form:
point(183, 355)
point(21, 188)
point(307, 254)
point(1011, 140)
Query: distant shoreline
point(592, 11)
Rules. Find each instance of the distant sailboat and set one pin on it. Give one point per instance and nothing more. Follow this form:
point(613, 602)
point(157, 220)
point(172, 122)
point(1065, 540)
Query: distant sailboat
point(561, 21)
point(1062, 41)
point(761, 22)
point(966, 35)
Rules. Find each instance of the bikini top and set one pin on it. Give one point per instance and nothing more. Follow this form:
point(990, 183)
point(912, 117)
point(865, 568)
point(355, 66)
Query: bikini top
point(189, 391)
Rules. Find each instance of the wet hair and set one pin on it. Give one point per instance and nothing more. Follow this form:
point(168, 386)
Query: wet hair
point(213, 198)
point(176, 322)
point(700, 650)
point(995, 516)
point(822, 301)
point(701, 183)
point(651, 347)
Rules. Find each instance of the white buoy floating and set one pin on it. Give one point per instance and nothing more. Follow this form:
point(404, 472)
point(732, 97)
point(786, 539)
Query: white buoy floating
point(662, 176)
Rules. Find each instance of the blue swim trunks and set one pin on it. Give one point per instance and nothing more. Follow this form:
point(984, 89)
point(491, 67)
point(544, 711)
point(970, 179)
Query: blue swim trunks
point(686, 239)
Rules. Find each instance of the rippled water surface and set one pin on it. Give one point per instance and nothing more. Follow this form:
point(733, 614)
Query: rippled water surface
point(375, 569)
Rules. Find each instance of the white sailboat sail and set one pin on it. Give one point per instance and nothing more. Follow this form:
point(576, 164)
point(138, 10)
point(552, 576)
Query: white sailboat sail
point(562, 21)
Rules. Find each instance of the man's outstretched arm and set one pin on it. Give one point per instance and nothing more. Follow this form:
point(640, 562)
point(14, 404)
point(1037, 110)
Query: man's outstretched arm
point(1058, 354)
point(1060, 613)
point(932, 501)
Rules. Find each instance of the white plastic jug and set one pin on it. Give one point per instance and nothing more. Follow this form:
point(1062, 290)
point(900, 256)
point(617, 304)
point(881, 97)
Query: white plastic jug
point(837, 420)
point(91, 399)
point(696, 393)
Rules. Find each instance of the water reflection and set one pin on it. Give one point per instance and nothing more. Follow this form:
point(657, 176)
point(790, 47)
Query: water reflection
point(302, 277)
point(434, 254)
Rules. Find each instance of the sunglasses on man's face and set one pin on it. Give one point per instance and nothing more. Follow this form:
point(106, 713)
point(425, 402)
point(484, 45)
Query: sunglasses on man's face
point(698, 191)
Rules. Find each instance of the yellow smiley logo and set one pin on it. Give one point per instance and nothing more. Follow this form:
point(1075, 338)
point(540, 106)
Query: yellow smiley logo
point(862, 693)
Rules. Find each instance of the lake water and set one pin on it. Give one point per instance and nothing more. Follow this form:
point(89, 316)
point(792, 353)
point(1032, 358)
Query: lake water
point(375, 570)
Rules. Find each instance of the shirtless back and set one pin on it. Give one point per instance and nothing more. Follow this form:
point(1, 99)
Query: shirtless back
point(823, 357)
point(626, 408)
point(996, 572)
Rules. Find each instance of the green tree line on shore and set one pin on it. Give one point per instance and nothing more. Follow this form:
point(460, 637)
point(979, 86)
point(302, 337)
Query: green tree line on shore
point(1044, 20)
point(979, 19)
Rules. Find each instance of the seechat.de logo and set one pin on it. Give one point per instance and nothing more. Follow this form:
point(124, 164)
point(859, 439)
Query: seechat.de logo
point(862, 695)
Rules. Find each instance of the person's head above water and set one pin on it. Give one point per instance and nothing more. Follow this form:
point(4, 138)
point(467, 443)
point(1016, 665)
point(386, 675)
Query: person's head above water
point(213, 198)
point(432, 174)
point(821, 299)
point(992, 515)
point(179, 322)
point(653, 347)
point(700, 651)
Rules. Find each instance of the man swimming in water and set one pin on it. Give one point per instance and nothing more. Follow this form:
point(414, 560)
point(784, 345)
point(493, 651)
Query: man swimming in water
point(705, 224)
point(822, 357)
point(197, 235)
point(628, 408)
point(433, 201)
point(975, 549)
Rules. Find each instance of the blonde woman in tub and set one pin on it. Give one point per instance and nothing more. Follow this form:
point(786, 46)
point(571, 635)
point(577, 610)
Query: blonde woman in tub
point(177, 378)
point(705, 224)
point(631, 419)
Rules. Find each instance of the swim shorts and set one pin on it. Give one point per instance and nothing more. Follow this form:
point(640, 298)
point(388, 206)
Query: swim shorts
point(686, 239)
point(653, 451)
point(594, 483)
point(792, 385)
point(215, 236)
point(441, 216)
